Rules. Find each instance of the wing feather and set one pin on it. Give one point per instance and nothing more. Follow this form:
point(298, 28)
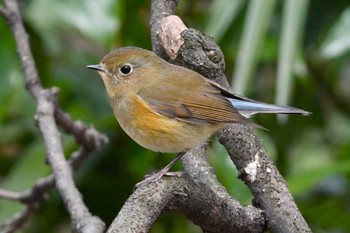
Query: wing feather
point(190, 98)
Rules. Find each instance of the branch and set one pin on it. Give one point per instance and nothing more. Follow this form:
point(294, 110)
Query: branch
point(201, 54)
point(47, 109)
point(196, 194)
point(159, 10)
point(263, 179)
point(86, 136)
point(209, 198)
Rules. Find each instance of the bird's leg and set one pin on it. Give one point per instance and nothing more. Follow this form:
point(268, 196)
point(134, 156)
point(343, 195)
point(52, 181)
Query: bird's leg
point(164, 171)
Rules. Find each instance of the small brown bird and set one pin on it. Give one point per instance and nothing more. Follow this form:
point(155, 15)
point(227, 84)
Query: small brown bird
point(168, 108)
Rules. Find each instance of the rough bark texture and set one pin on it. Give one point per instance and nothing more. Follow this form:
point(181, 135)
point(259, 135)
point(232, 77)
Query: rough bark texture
point(263, 179)
point(159, 10)
point(196, 193)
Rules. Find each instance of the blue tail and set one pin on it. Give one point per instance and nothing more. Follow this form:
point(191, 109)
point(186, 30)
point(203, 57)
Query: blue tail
point(248, 108)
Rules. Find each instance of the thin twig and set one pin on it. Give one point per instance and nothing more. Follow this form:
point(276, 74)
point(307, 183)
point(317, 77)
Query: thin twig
point(89, 137)
point(9, 195)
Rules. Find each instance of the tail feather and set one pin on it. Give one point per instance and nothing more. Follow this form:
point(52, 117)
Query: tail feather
point(248, 108)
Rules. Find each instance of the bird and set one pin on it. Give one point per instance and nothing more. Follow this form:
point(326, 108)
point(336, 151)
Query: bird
point(168, 108)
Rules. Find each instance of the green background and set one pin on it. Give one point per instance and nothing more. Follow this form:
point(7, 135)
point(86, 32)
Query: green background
point(287, 52)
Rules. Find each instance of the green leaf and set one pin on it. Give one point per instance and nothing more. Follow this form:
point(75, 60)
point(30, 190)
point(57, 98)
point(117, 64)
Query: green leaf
point(96, 20)
point(258, 16)
point(337, 42)
point(222, 14)
point(307, 180)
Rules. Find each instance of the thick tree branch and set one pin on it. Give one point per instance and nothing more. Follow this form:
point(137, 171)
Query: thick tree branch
point(263, 179)
point(47, 109)
point(207, 202)
point(197, 194)
point(159, 10)
point(143, 207)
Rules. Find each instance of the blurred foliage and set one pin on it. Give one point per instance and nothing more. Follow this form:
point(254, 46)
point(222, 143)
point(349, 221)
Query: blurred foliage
point(292, 52)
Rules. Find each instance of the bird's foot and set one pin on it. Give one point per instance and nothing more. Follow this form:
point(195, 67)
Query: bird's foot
point(154, 177)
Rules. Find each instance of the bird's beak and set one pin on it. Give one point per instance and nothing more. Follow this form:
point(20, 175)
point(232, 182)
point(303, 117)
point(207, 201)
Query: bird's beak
point(97, 67)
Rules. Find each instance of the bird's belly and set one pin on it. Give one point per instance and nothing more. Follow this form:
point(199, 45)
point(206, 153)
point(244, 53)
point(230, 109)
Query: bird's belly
point(162, 139)
point(163, 134)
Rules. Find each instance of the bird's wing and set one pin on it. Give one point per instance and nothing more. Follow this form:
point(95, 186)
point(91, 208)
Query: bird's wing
point(190, 98)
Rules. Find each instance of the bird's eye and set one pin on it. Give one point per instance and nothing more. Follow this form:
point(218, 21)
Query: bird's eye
point(125, 69)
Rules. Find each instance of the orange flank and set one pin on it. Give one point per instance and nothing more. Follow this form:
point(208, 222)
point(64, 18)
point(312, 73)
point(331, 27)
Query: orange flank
point(160, 133)
point(152, 123)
